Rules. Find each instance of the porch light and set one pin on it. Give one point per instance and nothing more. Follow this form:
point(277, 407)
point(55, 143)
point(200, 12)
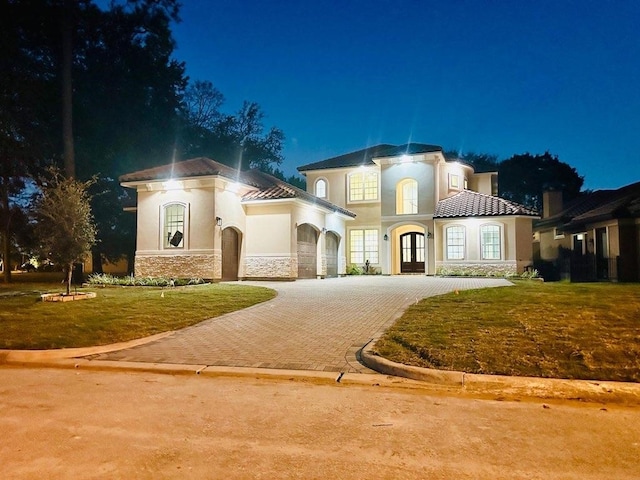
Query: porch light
point(324, 230)
point(429, 234)
point(171, 184)
point(386, 237)
point(219, 221)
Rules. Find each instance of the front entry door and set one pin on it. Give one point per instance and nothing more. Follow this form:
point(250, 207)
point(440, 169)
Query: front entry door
point(230, 254)
point(412, 253)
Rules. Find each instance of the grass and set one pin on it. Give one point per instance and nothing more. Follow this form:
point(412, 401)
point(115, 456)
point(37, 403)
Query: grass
point(117, 313)
point(561, 330)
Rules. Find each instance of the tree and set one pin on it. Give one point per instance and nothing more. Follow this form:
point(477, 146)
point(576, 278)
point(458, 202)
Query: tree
point(523, 178)
point(63, 219)
point(239, 140)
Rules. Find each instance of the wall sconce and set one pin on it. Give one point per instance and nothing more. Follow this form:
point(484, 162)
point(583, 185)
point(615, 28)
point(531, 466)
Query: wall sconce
point(386, 237)
point(218, 221)
point(429, 234)
point(324, 230)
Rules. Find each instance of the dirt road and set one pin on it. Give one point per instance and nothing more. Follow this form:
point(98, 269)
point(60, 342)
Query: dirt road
point(78, 424)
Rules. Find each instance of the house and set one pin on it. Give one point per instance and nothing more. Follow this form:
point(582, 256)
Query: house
point(389, 209)
point(200, 218)
point(416, 212)
point(593, 237)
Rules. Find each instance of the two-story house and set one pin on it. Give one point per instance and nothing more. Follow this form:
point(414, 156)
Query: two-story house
point(398, 210)
point(415, 212)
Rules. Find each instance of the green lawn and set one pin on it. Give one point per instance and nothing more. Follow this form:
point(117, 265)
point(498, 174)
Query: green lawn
point(562, 330)
point(117, 313)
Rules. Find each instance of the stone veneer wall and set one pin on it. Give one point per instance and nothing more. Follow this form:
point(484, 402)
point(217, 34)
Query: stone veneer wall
point(500, 269)
point(179, 266)
point(271, 267)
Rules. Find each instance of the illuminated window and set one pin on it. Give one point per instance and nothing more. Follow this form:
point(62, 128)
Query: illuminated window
point(455, 243)
point(407, 197)
point(321, 188)
point(454, 181)
point(363, 246)
point(363, 186)
point(174, 218)
point(490, 242)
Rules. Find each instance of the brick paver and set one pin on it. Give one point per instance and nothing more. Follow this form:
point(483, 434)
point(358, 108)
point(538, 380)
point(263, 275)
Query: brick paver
point(310, 325)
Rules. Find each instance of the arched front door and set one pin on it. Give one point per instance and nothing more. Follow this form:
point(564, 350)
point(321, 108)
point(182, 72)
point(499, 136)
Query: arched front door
point(230, 254)
point(331, 252)
point(412, 252)
point(307, 251)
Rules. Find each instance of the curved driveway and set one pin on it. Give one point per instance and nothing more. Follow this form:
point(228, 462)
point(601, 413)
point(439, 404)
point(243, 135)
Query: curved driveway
point(310, 325)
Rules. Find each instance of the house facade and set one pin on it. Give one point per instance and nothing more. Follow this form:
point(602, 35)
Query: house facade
point(417, 213)
point(385, 209)
point(595, 237)
point(200, 218)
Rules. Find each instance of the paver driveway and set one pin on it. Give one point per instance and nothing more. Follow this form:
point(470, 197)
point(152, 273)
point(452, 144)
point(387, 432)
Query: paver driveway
point(310, 325)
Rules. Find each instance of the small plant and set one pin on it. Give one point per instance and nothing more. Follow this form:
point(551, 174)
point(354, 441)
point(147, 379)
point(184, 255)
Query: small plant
point(353, 270)
point(130, 280)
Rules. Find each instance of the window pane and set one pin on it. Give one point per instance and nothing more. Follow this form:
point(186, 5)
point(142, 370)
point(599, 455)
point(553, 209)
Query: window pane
point(371, 245)
point(174, 226)
point(490, 242)
point(356, 187)
point(455, 243)
point(419, 248)
point(356, 245)
point(321, 188)
point(371, 186)
point(409, 197)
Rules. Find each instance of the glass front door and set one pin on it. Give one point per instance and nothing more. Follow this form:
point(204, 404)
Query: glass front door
point(412, 253)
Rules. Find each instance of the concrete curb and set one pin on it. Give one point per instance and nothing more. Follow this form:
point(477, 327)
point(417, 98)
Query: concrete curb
point(506, 387)
point(34, 356)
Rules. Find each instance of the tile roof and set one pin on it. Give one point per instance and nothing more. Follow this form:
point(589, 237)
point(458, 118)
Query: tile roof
point(596, 206)
point(266, 186)
point(474, 204)
point(366, 156)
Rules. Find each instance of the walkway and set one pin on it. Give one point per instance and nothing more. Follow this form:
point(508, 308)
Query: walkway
point(311, 324)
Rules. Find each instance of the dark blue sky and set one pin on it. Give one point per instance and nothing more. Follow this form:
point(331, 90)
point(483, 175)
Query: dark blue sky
point(499, 77)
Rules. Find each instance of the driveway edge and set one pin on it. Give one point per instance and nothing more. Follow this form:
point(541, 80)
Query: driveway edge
point(504, 387)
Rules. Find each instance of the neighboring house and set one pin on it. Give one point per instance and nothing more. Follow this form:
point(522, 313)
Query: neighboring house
point(199, 218)
point(594, 237)
point(394, 209)
point(416, 212)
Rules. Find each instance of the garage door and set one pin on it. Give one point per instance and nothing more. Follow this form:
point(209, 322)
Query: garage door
point(307, 251)
point(331, 242)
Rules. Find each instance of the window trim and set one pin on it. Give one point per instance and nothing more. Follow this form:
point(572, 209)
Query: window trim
point(164, 242)
point(400, 196)
point(363, 185)
point(464, 241)
point(454, 181)
point(326, 187)
point(366, 254)
point(500, 240)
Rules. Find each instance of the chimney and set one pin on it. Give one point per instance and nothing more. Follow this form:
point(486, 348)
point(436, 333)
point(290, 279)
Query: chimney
point(551, 203)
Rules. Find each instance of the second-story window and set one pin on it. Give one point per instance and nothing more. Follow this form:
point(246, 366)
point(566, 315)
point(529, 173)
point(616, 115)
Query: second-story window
point(407, 197)
point(321, 188)
point(363, 186)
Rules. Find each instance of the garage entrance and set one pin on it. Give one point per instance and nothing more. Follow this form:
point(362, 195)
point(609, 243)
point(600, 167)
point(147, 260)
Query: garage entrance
point(307, 251)
point(331, 253)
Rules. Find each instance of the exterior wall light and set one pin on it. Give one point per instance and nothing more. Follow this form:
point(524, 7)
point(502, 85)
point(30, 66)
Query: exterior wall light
point(429, 234)
point(218, 221)
point(324, 230)
point(386, 237)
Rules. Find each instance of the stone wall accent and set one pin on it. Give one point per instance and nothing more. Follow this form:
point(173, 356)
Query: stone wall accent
point(271, 267)
point(499, 269)
point(206, 266)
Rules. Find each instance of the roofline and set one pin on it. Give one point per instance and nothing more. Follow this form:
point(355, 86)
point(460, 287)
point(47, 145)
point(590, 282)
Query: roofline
point(324, 208)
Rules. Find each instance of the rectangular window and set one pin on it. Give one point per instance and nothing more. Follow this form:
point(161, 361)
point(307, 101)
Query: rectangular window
point(490, 242)
point(363, 246)
point(363, 186)
point(454, 181)
point(455, 243)
point(174, 226)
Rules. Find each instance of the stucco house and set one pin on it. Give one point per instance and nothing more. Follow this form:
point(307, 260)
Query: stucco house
point(593, 237)
point(397, 209)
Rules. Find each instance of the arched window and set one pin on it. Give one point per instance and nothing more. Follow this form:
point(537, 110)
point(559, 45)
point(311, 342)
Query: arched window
point(407, 197)
point(490, 244)
point(174, 225)
point(321, 188)
point(455, 242)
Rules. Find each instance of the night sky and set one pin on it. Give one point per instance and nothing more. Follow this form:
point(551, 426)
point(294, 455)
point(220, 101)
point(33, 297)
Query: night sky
point(499, 77)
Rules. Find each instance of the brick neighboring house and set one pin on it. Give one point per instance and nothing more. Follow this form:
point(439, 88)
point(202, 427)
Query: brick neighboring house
point(595, 237)
point(398, 209)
